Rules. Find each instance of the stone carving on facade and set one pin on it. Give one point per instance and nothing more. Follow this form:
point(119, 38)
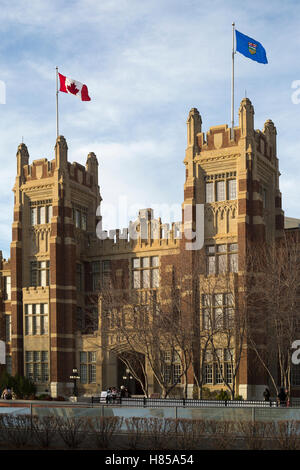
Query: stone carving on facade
point(220, 217)
point(39, 240)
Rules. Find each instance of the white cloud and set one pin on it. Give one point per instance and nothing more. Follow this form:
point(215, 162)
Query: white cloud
point(146, 64)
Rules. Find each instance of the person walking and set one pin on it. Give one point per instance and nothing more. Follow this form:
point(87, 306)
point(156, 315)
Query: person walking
point(108, 396)
point(282, 396)
point(267, 394)
point(114, 393)
point(287, 397)
point(122, 391)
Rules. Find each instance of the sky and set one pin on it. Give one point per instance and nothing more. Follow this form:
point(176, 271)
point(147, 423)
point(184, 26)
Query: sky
point(146, 64)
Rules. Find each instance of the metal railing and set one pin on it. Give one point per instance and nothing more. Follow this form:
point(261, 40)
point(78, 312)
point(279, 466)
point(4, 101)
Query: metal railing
point(182, 402)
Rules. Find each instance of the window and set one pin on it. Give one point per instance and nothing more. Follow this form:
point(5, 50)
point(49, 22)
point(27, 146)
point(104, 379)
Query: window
point(228, 355)
point(218, 314)
point(167, 356)
point(206, 319)
point(233, 263)
point(33, 216)
point(101, 274)
point(208, 367)
point(39, 273)
point(219, 374)
point(228, 317)
point(177, 373)
point(172, 373)
point(136, 279)
point(233, 257)
point(167, 375)
point(206, 311)
point(208, 374)
point(209, 192)
point(222, 258)
point(217, 311)
point(228, 373)
point(92, 367)
point(36, 365)
point(155, 271)
point(40, 212)
point(146, 278)
point(8, 328)
point(208, 356)
point(171, 367)
point(95, 275)
point(220, 187)
point(106, 273)
point(210, 260)
point(77, 218)
point(80, 217)
point(49, 213)
point(83, 221)
point(43, 273)
point(232, 189)
point(215, 364)
point(87, 367)
point(7, 287)
point(219, 354)
point(221, 191)
point(145, 272)
point(36, 319)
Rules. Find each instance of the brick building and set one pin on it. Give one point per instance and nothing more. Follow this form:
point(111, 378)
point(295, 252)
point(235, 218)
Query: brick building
point(49, 303)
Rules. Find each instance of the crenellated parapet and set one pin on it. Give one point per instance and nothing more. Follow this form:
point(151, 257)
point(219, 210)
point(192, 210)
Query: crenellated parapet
point(145, 232)
point(220, 140)
point(43, 168)
point(247, 158)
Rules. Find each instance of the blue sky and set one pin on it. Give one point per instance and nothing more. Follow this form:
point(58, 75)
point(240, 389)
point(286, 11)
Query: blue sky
point(146, 63)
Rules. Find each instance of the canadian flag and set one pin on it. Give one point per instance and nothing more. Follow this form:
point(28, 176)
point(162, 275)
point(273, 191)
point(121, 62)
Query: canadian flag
point(68, 85)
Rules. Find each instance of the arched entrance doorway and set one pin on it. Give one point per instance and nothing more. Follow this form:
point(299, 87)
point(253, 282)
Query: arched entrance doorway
point(131, 364)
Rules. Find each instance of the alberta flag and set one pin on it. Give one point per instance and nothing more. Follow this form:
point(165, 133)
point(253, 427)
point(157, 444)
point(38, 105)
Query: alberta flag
point(250, 48)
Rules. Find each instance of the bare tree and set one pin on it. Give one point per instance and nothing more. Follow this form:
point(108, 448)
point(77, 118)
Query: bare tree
point(152, 331)
point(273, 302)
point(224, 325)
point(151, 328)
point(167, 332)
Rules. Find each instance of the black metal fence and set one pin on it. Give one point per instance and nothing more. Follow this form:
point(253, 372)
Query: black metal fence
point(182, 402)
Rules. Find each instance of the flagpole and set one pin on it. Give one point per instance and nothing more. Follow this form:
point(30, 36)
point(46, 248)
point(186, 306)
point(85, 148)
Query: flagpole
point(57, 132)
point(232, 84)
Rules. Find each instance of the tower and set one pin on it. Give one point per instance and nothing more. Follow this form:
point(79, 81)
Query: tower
point(236, 177)
point(54, 215)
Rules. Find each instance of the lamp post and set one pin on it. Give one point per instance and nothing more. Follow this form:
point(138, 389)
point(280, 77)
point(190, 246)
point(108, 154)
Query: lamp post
point(75, 377)
point(127, 378)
